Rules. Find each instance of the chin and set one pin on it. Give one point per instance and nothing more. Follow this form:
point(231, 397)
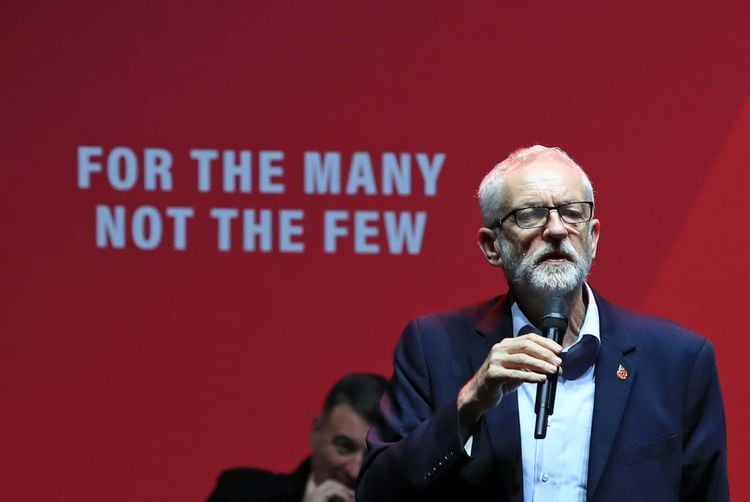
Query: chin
point(556, 279)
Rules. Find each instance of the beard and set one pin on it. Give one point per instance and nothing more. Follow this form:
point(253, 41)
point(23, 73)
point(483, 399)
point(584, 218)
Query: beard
point(532, 272)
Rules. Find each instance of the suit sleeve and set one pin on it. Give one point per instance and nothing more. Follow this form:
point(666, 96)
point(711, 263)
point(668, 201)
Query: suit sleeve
point(704, 470)
point(419, 444)
point(228, 486)
point(242, 484)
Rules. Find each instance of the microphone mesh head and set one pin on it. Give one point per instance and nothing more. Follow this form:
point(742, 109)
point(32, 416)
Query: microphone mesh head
point(556, 313)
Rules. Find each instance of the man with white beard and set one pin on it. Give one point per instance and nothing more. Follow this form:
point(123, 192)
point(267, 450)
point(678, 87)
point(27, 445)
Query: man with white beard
point(638, 413)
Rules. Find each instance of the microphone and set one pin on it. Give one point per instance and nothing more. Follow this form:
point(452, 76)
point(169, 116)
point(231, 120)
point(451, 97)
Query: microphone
point(554, 325)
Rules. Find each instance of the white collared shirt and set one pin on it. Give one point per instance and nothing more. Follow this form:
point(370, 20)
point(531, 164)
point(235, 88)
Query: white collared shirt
point(555, 469)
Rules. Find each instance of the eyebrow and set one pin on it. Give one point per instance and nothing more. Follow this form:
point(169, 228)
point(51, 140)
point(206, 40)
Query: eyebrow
point(542, 204)
point(340, 438)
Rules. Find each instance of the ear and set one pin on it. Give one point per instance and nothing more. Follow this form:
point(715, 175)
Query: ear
point(487, 240)
point(317, 426)
point(317, 423)
point(595, 229)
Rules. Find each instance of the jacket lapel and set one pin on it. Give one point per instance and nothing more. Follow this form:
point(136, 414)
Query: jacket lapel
point(494, 325)
point(500, 424)
point(612, 391)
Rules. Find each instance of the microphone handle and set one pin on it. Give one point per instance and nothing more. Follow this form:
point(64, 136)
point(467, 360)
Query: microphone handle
point(545, 392)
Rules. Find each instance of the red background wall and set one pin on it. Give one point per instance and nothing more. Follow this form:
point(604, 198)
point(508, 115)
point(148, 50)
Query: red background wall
point(129, 375)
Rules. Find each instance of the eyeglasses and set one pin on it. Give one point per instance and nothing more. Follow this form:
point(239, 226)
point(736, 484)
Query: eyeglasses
point(571, 213)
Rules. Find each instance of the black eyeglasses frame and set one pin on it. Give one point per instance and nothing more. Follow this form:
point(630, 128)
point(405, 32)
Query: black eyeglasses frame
point(548, 208)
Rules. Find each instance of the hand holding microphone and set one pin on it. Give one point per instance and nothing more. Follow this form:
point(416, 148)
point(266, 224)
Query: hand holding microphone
point(529, 358)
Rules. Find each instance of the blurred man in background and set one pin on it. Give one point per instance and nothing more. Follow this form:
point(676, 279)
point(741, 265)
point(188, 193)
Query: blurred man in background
point(337, 440)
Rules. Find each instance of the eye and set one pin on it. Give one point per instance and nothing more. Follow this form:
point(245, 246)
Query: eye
point(575, 212)
point(571, 212)
point(345, 445)
point(531, 215)
point(535, 212)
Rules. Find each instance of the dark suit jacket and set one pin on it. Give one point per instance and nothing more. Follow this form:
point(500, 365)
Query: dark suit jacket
point(657, 435)
point(256, 485)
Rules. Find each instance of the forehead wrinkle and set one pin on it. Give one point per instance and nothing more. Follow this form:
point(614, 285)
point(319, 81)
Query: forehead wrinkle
point(534, 194)
point(551, 183)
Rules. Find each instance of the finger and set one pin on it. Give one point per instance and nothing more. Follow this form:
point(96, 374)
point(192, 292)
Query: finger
point(340, 498)
point(523, 361)
point(508, 375)
point(540, 348)
point(546, 342)
point(332, 487)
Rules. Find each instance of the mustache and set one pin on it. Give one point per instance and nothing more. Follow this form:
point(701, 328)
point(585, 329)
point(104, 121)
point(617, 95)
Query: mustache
point(564, 250)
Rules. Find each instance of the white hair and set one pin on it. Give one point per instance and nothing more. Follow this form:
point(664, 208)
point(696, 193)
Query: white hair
point(490, 191)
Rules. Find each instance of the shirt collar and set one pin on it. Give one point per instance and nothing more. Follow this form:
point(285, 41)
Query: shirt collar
point(590, 324)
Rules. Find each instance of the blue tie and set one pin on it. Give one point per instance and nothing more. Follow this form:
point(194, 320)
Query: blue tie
point(578, 358)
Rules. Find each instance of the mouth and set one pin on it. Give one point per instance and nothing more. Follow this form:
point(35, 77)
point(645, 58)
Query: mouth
point(555, 257)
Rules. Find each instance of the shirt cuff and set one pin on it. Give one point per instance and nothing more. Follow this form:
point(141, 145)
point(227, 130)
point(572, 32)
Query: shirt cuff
point(468, 444)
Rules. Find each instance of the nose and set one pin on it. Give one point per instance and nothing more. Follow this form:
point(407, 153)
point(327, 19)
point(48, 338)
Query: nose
point(353, 465)
point(555, 227)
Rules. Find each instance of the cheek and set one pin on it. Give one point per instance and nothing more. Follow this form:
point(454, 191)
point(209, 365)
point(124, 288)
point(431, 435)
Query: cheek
point(332, 457)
